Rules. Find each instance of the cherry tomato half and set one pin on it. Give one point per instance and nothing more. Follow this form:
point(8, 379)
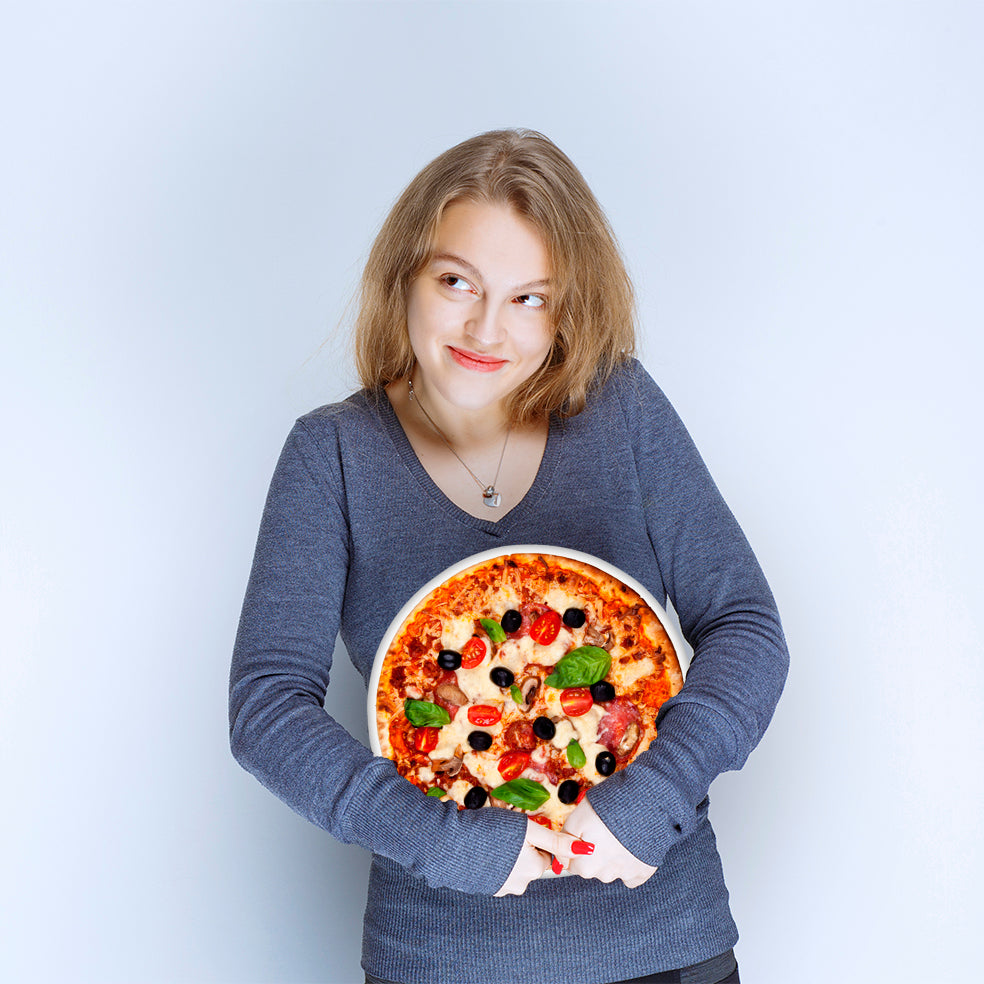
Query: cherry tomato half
point(484, 715)
point(473, 652)
point(576, 701)
point(512, 764)
point(425, 739)
point(541, 820)
point(545, 628)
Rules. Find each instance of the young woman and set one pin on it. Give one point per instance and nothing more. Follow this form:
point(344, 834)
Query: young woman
point(501, 405)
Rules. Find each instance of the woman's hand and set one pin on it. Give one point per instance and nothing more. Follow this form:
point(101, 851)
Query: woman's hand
point(609, 860)
point(539, 849)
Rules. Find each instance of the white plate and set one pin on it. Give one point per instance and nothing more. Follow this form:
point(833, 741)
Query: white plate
point(671, 630)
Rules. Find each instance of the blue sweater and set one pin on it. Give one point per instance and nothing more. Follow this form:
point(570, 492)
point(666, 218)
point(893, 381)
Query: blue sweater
point(353, 525)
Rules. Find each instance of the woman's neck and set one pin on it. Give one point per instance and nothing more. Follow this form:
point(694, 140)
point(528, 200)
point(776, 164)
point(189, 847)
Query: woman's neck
point(481, 450)
point(461, 428)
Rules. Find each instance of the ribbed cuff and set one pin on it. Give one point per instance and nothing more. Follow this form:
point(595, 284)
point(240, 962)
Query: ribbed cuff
point(652, 804)
point(467, 850)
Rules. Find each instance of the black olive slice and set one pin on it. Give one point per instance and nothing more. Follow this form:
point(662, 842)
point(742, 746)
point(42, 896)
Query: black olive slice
point(481, 741)
point(544, 728)
point(568, 791)
point(605, 763)
point(449, 659)
point(574, 618)
point(602, 692)
point(511, 621)
point(502, 677)
point(475, 797)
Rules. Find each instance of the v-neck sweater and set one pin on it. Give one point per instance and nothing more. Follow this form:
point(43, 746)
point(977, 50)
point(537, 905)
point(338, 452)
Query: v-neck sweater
point(352, 527)
point(489, 524)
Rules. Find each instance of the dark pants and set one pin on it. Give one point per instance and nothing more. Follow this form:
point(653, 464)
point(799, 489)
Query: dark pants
point(665, 977)
point(673, 977)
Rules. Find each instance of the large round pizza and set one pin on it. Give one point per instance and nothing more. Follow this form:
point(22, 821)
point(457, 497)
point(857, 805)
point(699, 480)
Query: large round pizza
point(521, 679)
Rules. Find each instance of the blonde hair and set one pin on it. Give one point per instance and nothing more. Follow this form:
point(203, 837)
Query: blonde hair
point(591, 301)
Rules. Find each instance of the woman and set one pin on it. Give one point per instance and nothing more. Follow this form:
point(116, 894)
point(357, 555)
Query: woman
point(501, 406)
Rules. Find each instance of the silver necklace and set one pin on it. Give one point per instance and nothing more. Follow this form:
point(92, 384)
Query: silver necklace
point(490, 495)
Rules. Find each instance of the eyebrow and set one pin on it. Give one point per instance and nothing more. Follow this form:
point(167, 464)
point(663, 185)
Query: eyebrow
point(476, 273)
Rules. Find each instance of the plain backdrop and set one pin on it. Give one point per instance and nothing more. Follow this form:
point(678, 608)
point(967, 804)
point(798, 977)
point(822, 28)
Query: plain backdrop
point(187, 194)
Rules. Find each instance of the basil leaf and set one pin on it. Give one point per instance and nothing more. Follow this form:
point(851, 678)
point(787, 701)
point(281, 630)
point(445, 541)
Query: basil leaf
point(580, 668)
point(493, 630)
point(424, 714)
point(524, 793)
point(517, 694)
point(435, 791)
point(575, 755)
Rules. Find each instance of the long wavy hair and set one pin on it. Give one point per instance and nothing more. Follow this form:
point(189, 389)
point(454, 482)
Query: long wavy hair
point(592, 305)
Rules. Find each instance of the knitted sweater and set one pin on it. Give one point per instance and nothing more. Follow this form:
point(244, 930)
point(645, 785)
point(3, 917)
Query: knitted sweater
point(353, 525)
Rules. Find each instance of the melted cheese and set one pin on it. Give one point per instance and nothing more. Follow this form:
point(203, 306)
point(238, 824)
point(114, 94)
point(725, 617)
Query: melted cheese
point(564, 735)
point(459, 790)
point(455, 632)
point(477, 685)
point(560, 600)
point(626, 677)
point(485, 770)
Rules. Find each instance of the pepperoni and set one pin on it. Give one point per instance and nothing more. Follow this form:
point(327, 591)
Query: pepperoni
point(445, 676)
point(550, 771)
point(519, 736)
point(621, 712)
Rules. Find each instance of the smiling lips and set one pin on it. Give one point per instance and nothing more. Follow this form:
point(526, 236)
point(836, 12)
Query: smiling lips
point(472, 360)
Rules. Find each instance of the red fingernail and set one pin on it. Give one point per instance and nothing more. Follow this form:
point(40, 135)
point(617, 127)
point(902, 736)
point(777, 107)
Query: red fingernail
point(582, 847)
point(557, 866)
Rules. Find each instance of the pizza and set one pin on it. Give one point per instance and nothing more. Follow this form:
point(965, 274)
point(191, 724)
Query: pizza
point(521, 681)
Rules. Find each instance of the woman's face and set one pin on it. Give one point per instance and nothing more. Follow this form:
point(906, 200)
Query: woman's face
point(479, 313)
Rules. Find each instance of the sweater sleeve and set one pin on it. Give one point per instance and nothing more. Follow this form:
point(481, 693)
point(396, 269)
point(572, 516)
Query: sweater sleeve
point(279, 729)
point(728, 616)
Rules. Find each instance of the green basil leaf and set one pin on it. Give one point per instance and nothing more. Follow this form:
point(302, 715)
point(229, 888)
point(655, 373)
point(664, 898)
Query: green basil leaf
point(517, 694)
point(435, 791)
point(575, 755)
point(580, 668)
point(524, 793)
point(424, 714)
point(493, 630)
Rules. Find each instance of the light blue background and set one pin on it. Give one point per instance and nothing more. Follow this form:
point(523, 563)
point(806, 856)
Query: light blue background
point(188, 193)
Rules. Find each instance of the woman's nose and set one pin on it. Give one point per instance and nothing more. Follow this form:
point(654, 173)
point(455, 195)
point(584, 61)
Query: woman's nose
point(485, 323)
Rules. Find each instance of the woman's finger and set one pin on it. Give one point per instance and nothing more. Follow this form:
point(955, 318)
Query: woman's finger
point(530, 865)
point(561, 845)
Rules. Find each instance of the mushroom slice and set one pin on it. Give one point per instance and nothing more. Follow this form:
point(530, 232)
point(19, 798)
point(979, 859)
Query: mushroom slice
point(450, 693)
point(528, 690)
point(629, 739)
point(594, 637)
point(451, 766)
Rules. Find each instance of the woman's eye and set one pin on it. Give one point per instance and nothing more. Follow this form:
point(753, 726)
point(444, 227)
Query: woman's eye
point(531, 300)
point(456, 283)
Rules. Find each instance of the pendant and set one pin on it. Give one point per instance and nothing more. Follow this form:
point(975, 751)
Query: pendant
point(490, 497)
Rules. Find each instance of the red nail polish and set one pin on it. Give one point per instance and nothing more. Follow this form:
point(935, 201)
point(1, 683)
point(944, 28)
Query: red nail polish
point(582, 847)
point(557, 867)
